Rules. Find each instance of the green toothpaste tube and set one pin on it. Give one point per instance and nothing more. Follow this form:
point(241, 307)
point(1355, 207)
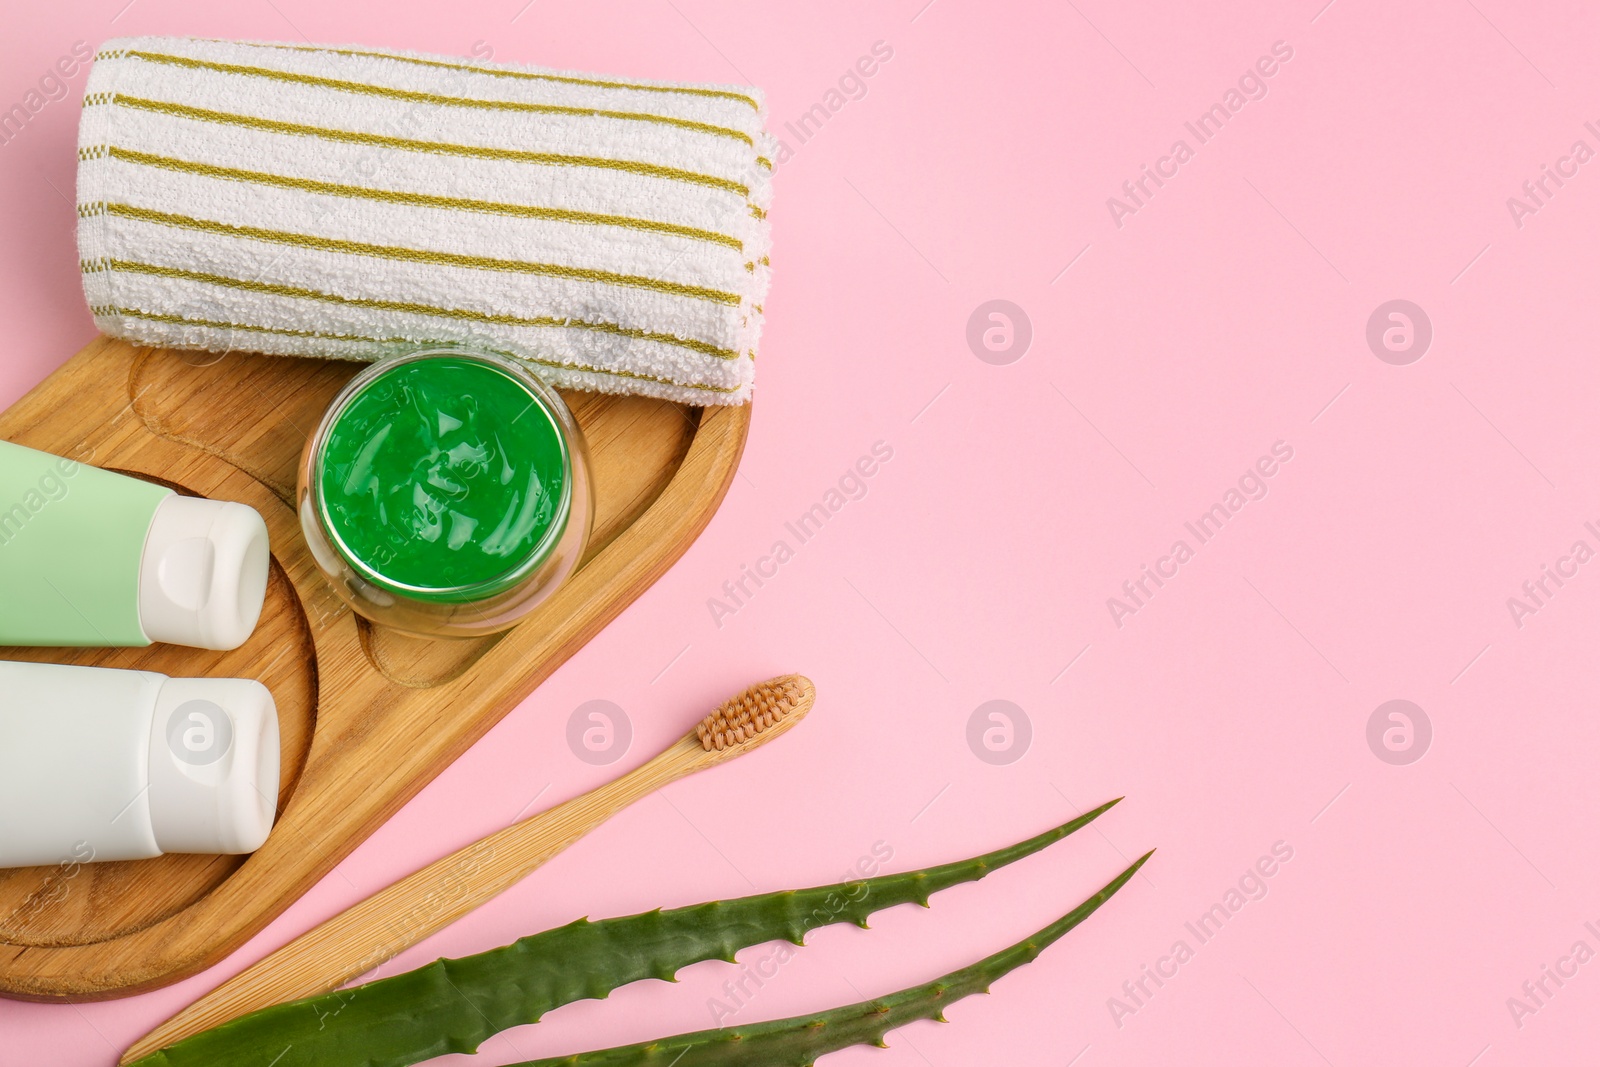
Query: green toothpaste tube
point(88, 557)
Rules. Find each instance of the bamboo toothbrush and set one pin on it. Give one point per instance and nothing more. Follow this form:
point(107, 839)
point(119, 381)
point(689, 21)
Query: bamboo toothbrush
point(354, 942)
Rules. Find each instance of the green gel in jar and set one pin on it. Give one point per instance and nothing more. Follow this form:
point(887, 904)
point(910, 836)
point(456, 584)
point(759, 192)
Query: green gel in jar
point(444, 479)
point(446, 492)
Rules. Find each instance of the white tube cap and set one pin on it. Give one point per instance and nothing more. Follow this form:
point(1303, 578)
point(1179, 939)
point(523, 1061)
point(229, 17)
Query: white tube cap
point(203, 576)
point(213, 765)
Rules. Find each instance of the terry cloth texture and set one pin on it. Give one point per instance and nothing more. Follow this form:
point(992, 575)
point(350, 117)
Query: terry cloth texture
point(351, 202)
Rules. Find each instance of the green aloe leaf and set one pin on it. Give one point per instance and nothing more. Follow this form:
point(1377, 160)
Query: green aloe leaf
point(454, 1005)
point(798, 1041)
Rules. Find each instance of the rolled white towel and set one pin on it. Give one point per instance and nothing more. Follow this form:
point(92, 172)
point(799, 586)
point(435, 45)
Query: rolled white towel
point(351, 202)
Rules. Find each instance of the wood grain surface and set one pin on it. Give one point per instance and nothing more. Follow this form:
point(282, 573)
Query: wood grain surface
point(368, 716)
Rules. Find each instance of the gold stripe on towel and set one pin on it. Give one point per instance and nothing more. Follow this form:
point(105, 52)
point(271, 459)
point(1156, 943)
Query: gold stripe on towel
point(461, 314)
point(420, 255)
point(179, 320)
point(433, 98)
point(512, 155)
point(392, 196)
point(686, 90)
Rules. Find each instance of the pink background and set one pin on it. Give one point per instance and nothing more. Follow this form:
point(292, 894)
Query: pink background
point(1228, 313)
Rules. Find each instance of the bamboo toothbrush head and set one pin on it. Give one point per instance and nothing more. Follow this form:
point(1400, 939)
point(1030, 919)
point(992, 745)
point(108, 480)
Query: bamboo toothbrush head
point(756, 715)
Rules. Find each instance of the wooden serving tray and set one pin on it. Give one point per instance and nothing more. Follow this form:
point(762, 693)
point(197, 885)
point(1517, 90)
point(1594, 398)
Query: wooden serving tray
point(368, 715)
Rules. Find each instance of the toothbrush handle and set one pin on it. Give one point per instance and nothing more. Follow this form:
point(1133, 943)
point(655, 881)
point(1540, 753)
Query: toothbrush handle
point(390, 921)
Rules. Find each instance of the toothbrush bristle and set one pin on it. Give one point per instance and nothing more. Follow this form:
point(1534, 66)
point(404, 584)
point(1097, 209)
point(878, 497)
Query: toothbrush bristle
point(754, 711)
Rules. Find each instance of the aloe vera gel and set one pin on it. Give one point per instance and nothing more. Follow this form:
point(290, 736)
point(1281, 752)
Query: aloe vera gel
point(446, 492)
point(88, 557)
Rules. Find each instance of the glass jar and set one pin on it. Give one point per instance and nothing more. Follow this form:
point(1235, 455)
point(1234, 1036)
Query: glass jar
point(446, 492)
